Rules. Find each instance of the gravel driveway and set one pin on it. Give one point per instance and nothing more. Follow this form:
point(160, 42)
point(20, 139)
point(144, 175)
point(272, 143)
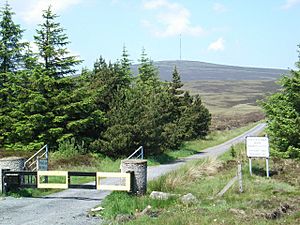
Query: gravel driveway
point(70, 207)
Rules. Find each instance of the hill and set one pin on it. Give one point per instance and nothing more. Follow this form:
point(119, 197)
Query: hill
point(194, 70)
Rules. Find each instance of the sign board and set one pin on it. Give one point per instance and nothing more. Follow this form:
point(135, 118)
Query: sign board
point(257, 147)
point(42, 164)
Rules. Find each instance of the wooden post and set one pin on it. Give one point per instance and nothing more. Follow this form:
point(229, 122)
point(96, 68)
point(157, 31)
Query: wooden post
point(239, 175)
point(250, 166)
point(267, 167)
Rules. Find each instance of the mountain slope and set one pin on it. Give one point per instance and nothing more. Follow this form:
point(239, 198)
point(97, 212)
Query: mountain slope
point(194, 70)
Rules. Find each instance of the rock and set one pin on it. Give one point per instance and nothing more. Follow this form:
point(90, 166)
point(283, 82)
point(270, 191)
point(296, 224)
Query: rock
point(161, 195)
point(237, 211)
point(146, 211)
point(97, 209)
point(123, 218)
point(188, 199)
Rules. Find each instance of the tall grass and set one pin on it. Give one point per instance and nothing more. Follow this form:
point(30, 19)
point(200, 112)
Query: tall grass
point(204, 179)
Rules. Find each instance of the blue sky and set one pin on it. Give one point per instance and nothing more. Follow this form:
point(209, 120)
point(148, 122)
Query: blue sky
point(257, 33)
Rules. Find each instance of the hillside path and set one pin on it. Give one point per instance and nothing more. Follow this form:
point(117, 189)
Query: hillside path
point(70, 207)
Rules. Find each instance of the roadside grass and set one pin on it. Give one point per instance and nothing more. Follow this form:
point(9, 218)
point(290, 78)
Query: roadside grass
point(274, 200)
point(195, 146)
point(75, 161)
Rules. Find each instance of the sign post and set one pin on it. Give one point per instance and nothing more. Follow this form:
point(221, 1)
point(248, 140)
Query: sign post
point(258, 147)
point(42, 164)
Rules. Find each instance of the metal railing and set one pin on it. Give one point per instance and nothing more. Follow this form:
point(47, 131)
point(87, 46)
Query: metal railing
point(140, 155)
point(32, 163)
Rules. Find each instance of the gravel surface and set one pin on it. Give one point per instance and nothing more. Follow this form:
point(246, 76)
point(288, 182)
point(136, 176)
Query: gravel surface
point(71, 207)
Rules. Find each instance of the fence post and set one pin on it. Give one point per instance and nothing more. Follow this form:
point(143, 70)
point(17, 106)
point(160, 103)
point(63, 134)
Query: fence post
point(12, 163)
point(139, 178)
point(239, 175)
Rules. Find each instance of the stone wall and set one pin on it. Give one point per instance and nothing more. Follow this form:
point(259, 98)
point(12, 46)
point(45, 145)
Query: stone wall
point(12, 163)
point(139, 179)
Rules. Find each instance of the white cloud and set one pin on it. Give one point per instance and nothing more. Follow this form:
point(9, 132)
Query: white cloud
point(219, 8)
point(290, 3)
point(33, 11)
point(171, 19)
point(217, 45)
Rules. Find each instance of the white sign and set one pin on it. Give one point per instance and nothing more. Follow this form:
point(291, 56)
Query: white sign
point(42, 164)
point(257, 147)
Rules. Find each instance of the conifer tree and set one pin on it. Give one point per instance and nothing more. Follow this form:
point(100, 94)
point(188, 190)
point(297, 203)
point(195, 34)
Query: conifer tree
point(125, 71)
point(11, 45)
point(283, 115)
point(11, 61)
point(52, 41)
point(176, 81)
point(147, 71)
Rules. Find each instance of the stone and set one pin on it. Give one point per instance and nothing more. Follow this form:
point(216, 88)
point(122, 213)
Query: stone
point(123, 218)
point(139, 178)
point(188, 199)
point(161, 195)
point(146, 211)
point(97, 209)
point(237, 211)
point(12, 163)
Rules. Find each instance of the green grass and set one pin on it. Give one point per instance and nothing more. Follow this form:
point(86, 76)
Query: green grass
point(95, 162)
point(195, 146)
point(31, 192)
point(204, 179)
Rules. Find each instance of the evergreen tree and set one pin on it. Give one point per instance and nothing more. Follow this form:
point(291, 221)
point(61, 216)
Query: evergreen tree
point(125, 71)
point(176, 81)
point(11, 45)
point(147, 71)
point(11, 61)
point(52, 41)
point(283, 116)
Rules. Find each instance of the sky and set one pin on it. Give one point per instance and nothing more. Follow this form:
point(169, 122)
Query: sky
point(256, 33)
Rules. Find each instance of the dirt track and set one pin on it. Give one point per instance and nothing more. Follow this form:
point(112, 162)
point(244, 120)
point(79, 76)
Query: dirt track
point(70, 207)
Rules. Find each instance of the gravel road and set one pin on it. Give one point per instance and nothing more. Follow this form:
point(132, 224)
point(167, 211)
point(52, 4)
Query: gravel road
point(70, 207)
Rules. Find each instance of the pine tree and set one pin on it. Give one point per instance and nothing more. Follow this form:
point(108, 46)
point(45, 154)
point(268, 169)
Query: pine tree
point(11, 45)
point(52, 41)
point(147, 71)
point(283, 115)
point(11, 61)
point(176, 81)
point(125, 71)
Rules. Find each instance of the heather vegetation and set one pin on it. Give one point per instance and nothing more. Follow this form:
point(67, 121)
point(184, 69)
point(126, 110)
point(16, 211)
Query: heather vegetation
point(102, 110)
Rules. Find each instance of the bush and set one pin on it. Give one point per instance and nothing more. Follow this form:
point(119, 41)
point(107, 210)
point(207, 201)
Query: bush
point(68, 148)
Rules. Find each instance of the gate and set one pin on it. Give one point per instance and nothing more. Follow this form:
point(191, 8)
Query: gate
point(15, 180)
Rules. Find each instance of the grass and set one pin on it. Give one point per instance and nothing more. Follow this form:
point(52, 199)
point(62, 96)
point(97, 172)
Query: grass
point(95, 162)
point(261, 202)
point(195, 146)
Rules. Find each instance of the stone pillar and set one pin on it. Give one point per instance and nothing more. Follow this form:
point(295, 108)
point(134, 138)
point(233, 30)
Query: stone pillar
point(139, 178)
point(11, 163)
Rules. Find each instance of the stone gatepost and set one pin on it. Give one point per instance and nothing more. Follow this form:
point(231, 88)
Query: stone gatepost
point(11, 163)
point(139, 177)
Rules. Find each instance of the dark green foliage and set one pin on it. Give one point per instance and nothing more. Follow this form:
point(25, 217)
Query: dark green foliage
point(107, 109)
point(153, 114)
point(11, 61)
point(11, 45)
point(52, 41)
point(283, 113)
